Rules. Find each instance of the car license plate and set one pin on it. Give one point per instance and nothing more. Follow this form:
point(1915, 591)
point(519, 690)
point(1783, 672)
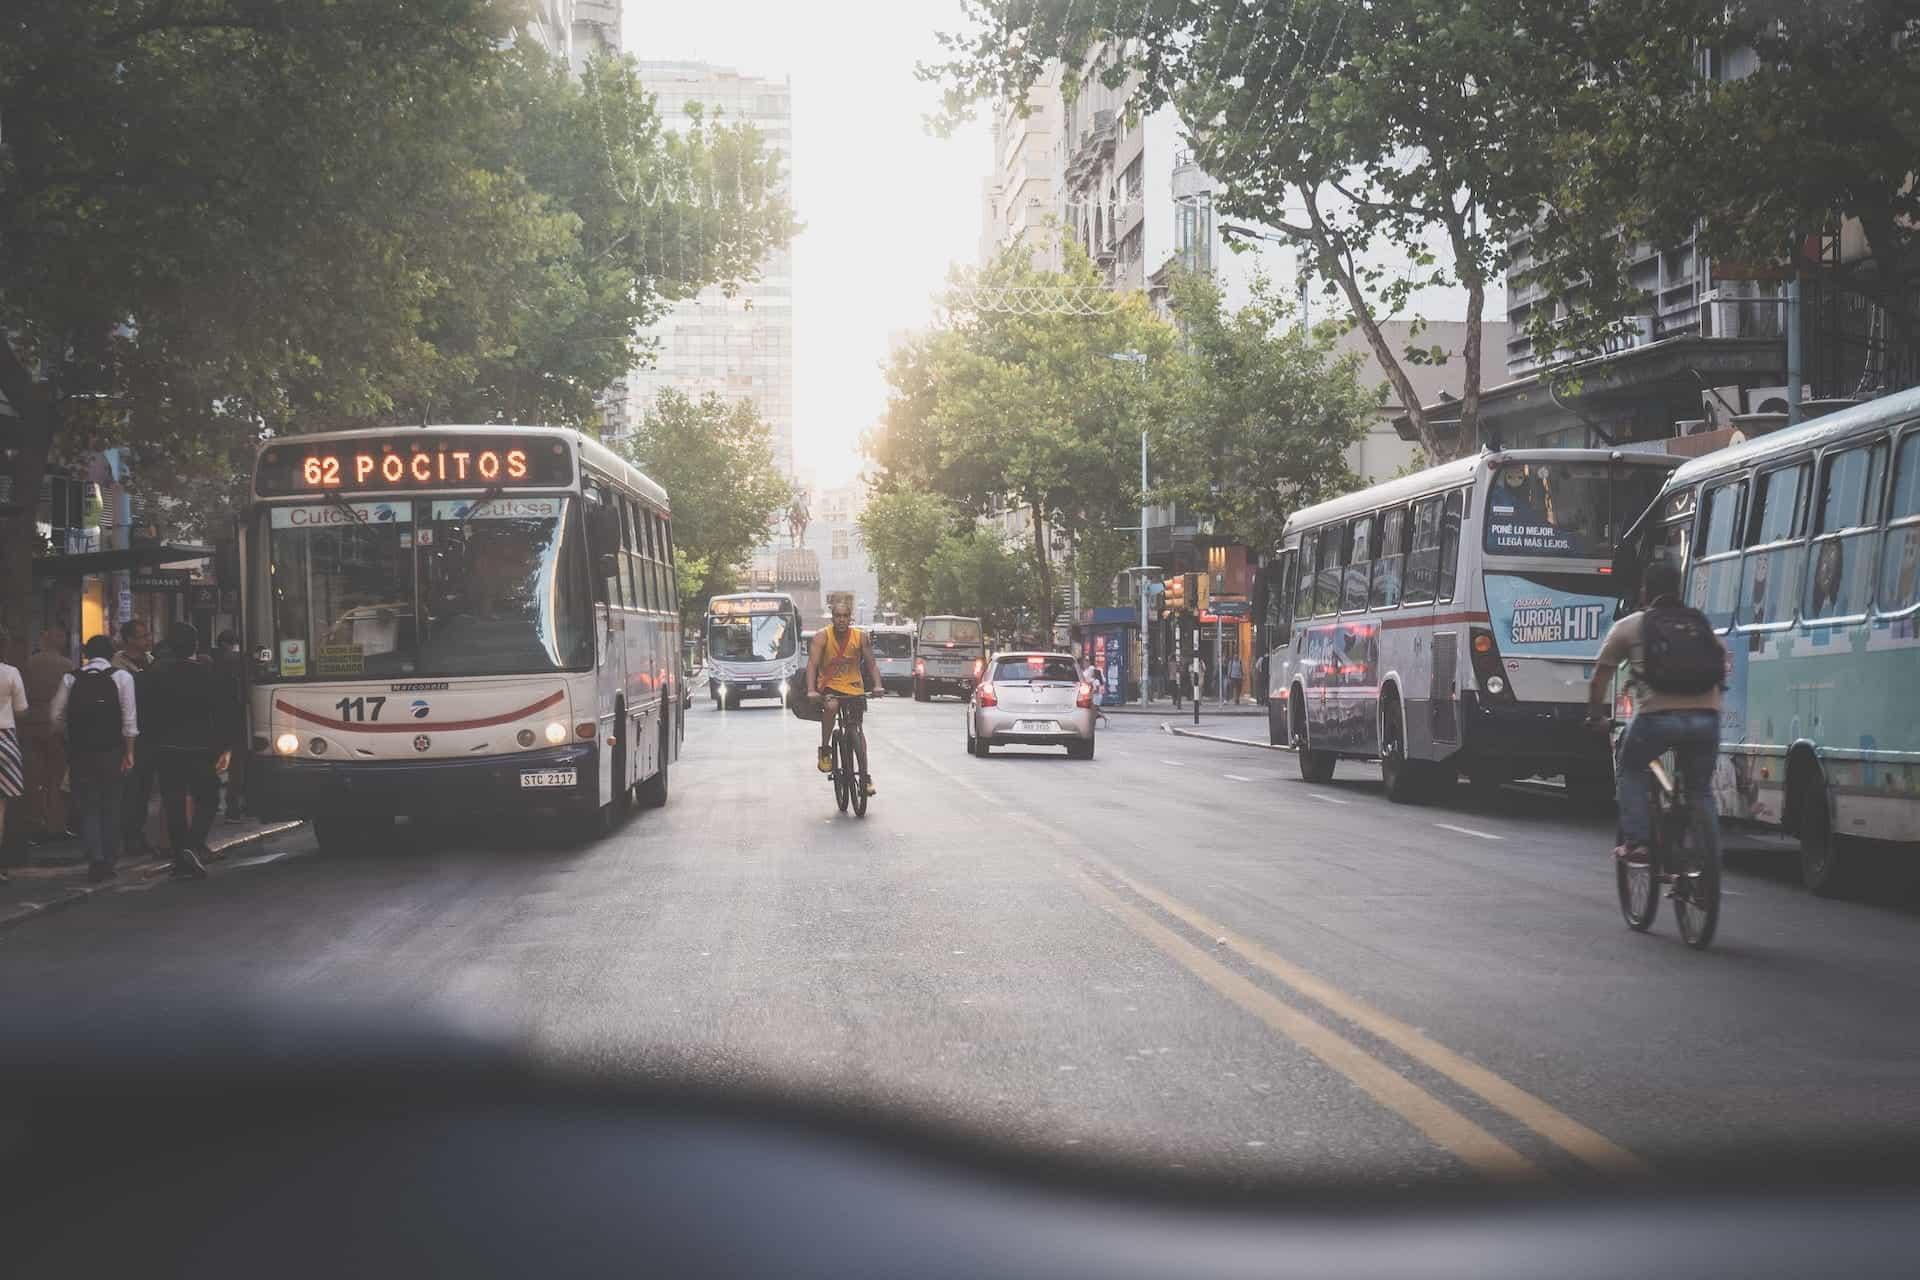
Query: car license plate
point(551, 778)
point(1035, 726)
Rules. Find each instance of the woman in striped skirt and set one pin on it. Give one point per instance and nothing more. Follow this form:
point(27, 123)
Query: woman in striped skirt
point(13, 704)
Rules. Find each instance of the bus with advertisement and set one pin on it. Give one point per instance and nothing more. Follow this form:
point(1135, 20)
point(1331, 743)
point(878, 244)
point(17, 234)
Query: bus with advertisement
point(1445, 623)
point(754, 647)
point(457, 619)
point(1802, 547)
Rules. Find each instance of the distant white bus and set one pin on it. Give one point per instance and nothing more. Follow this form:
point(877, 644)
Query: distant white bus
point(1446, 623)
point(893, 650)
point(753, 646)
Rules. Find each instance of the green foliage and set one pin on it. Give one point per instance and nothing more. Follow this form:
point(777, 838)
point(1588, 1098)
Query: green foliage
point(692, 575)
point(1268, 414)
point(977, 573)
point(902, 529)
point(224, 217)
point(715, 460)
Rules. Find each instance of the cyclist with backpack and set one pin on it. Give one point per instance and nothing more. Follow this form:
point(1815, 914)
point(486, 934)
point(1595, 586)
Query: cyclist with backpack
point(94, 709)
point(1678, 671)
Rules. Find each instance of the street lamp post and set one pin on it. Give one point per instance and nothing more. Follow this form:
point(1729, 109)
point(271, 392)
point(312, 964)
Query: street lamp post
point(1146, 687)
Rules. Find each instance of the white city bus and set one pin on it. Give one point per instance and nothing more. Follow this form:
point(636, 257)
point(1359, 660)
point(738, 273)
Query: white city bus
point(753, 647)
point(473, 620)
point(1803, 547)
point(1446, 623)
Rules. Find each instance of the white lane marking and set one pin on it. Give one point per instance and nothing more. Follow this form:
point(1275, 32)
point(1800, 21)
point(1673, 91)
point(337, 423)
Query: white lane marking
point(1468, 831)
point(1175, 763)
point(1315, 795)
point(1234, 777)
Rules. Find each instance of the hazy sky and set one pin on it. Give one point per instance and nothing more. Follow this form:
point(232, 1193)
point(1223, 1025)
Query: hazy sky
point(886, 205)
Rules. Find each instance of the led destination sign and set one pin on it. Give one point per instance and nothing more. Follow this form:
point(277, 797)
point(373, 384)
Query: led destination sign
point(413, 462)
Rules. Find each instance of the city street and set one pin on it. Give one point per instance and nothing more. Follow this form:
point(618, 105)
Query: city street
point(1178, 953)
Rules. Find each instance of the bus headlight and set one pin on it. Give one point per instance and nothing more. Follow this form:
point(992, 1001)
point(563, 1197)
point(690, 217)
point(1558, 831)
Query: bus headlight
point(556, 732)
point(1496, 684)
point(286, 744)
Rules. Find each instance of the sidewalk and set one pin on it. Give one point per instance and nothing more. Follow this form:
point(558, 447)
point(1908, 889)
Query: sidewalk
point(56, 876)
point(1165, 710)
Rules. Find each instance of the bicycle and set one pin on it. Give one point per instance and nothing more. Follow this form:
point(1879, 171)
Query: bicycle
point(849, 784)
point(1675, 863)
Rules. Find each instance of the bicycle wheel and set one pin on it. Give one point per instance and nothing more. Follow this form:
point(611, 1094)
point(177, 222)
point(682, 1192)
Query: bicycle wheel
point(852, 775)
point(1639, 894)
point(842, 777)
point(1696, 890)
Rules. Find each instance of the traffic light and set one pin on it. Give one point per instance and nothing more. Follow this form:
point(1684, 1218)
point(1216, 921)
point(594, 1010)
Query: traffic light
point(1176, 597)
point(1202, 591)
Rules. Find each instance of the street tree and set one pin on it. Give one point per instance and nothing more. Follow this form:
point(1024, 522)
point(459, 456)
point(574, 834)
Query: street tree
point(977, 573)
point(714, 457)
point(223, 218)
point(902, 528)
point(1351, 129)
point(1268, 413)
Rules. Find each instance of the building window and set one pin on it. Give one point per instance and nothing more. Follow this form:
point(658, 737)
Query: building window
point(841, 545)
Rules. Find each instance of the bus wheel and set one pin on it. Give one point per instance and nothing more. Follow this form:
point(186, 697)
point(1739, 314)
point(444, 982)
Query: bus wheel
point(1404, 777)
point(652, 792)
point(1828, 862)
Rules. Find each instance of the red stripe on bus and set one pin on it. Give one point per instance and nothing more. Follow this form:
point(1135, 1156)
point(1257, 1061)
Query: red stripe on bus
point(1432, 620)
point(418, 726)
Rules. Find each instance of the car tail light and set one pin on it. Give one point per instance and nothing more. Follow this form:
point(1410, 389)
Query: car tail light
point(978, 666)
point(1084, 696)
point(988, 698)
point(1486, 666)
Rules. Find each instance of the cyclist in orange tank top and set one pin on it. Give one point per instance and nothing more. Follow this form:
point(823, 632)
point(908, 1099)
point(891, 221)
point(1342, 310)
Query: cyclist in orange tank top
point(842, 663)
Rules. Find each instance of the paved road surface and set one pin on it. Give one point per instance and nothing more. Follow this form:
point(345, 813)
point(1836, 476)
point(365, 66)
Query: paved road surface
point(1178, 952)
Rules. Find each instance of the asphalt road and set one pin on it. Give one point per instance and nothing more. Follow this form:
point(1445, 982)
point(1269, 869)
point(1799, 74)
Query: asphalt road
point(1178, 953)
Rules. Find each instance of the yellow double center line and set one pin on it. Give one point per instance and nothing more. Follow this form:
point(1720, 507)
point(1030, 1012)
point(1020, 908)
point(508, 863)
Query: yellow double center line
point(1441, 1123)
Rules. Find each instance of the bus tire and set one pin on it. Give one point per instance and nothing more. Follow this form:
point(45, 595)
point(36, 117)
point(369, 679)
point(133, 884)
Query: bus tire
point(1405, 779)
point(652, 792)
point(1828, 862)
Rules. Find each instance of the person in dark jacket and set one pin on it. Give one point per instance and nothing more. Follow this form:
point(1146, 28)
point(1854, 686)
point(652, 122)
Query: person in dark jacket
point(192, 726)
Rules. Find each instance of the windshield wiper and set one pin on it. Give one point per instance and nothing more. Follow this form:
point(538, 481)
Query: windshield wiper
point(334, 497)
point(486, 495)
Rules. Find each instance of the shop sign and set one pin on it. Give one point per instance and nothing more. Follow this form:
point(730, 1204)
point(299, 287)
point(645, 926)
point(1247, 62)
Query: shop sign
point(162, 579)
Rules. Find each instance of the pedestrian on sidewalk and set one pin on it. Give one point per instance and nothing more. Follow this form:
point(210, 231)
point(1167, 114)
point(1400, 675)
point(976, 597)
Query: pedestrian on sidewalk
point(46, 751)
point(136, 658)
point(192, 731)
point(96, 713)
point(13, 704)
point(228, 663)
point(1233, 677)
point(1097, 681)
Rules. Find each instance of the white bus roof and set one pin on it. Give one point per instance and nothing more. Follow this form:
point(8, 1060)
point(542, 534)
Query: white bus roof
point(752, 595)
point(1862, 419)
point(585, 448)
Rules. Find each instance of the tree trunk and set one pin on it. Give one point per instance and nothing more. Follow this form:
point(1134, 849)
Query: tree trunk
point(1041, 561)
point(1332, 254)
point(38, 418)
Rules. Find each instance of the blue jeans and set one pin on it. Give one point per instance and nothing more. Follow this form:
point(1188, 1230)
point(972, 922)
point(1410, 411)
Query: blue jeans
point(1694, 738)
point(98, 787)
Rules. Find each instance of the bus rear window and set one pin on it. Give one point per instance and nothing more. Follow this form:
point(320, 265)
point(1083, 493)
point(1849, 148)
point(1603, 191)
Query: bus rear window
point(950, 631)
point(1571, 509)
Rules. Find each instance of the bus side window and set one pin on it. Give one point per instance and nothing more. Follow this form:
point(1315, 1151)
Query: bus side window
point(1326, 586)
point(1776, 555)
point(1715, 586)
point(1391, 559)
point(602, 518)
point(673, 575)
point(1900, 549)
point(1360, 543)
point(1280, 601)
point(1423, 562)
point(1846, 520)
point(1449, 544)
point(1303, 567)
point(656, 554)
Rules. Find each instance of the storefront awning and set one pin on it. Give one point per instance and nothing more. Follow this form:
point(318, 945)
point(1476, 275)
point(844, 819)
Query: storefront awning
point(127, 559)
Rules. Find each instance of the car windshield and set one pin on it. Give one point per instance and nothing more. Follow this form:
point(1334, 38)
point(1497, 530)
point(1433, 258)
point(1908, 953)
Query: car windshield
point(500, 393)
point(1035, 669)
point(942, 631)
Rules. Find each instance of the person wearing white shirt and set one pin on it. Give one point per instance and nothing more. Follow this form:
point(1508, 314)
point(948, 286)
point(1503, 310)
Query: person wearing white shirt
point(13, 703)
point(100, 724)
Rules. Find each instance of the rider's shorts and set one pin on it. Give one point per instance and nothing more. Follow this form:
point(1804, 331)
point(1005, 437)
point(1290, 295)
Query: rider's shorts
point(855, 704)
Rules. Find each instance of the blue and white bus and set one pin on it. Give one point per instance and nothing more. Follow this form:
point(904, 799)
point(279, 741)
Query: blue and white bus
point(457, 620)
point(1803, 547)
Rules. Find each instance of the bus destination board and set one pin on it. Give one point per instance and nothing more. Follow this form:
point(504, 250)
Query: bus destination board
point(412, 461)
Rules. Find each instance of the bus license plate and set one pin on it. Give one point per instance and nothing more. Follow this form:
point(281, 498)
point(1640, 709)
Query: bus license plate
point(551, 778)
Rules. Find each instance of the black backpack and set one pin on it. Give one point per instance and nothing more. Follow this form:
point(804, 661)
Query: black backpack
point(1681, 653)
point(93, 712)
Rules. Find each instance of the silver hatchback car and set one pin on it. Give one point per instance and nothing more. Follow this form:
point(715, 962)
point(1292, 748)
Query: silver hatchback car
point(1034, 699)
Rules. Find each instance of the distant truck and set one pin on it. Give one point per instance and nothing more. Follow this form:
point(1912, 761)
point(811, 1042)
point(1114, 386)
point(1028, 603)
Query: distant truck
point(947, 653)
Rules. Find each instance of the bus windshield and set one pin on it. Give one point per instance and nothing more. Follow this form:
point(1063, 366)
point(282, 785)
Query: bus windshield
point(437, 587)
point(1575, 510)
point(760, 637)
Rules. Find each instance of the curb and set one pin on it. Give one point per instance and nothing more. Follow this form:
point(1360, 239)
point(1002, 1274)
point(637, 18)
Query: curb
point(1158, 709)
point(1167, 727)
point(26, 911)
